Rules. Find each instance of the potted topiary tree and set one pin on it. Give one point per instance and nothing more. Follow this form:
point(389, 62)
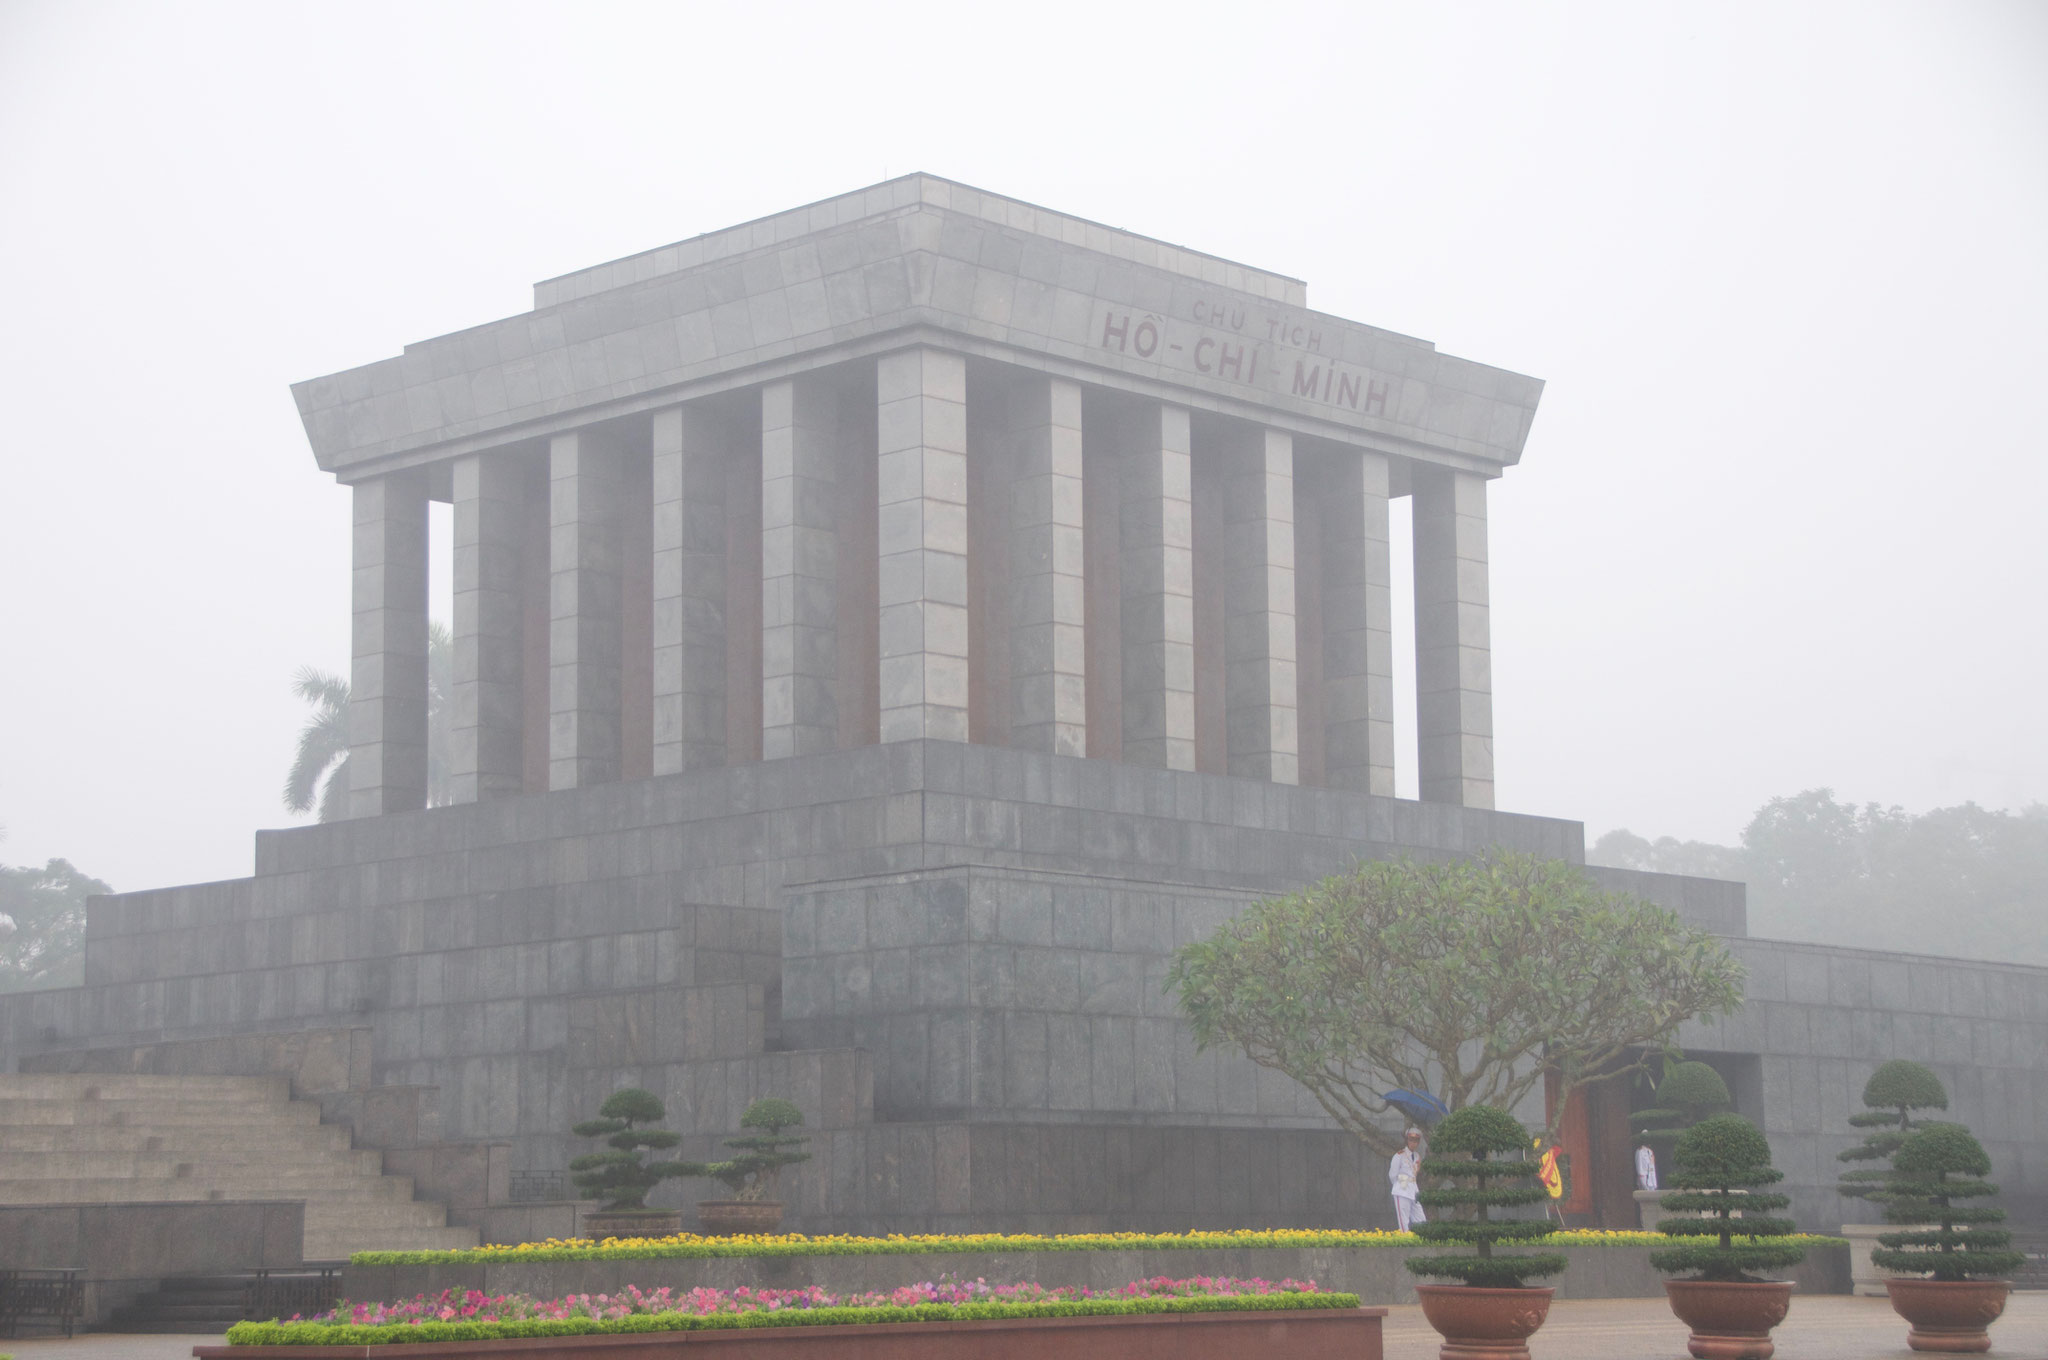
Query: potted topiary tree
point(754, 1173)
point(1960, 1296)
point(1689, 1092)
point(1892, 1094)
point(623, 1176)
point(1716, 1169)
point(1492, 1312)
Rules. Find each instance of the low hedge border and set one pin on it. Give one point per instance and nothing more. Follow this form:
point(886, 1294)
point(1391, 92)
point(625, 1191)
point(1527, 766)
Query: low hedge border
point(694, 1248)
point(404, 1333)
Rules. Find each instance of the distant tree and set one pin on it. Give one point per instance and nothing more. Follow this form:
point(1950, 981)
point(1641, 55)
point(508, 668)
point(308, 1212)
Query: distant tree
point(319, 773)
point(1470, 980)
point(42, 925)
point(1963, 880)
point(1624, 849)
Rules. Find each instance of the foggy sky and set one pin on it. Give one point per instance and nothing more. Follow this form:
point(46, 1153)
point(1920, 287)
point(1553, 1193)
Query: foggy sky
point(1779, 522)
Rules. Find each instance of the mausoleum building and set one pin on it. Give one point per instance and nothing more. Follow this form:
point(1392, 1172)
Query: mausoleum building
point(882, 632)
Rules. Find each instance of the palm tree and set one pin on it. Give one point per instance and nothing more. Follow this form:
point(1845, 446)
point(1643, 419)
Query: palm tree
point(319, 773)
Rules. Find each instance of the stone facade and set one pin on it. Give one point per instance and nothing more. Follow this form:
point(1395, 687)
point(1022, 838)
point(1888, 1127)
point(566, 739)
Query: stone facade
point(883, 632)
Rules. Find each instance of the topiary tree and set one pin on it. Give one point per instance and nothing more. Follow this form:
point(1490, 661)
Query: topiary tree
point(1893, 1092)
point(1718, 1164)
point(756, 1172)
point(1490, 1150)
point(1690, 1092)
point(1933, 1168)
point(622, 1177)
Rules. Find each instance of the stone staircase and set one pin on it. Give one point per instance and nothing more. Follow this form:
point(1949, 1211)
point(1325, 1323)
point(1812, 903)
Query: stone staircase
point(107, 1138)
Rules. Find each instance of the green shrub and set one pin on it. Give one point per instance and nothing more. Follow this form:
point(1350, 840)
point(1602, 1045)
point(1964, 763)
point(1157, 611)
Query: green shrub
point(1717, 1165)
point(1891, 1095)
point(1690, 1092)
point(690, 1247)
point(1473, 1136)
point(344, 1334)
point(1934, 1167)
point(755, 1172)
point(622, 1177)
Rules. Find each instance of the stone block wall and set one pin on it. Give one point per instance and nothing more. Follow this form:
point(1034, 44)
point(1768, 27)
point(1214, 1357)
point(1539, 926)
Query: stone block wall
point(942, 952)
point(1821, 1019)
point(990, 994)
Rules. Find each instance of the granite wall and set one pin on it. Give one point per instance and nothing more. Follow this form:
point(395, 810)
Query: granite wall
point(950, 956)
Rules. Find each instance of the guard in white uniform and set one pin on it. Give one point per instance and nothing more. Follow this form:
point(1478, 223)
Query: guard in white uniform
point(1401, 1174)
point(1646, 1167)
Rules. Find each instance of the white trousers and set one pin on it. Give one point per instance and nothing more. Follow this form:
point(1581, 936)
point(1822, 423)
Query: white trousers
point(1407, 1211)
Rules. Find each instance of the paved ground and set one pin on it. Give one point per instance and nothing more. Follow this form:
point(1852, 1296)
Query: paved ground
point(1820, 1328)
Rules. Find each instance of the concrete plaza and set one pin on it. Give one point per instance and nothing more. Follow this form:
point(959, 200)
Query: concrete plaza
point(1830, 1327)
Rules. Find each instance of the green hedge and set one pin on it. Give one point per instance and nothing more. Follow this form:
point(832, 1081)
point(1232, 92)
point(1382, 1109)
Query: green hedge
point(344, 1334)
point(703, 1248)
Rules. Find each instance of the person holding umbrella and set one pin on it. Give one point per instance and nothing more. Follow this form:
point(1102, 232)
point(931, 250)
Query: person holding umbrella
point(1401, 1177)
point(1425, 1109)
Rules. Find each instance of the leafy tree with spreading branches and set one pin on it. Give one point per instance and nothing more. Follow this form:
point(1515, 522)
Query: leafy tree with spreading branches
point(1720, 1163)
point(1489, 1149)
point(623, 1176)
point(1891, 1096)
point(1468, 979)
point(1932, 1169)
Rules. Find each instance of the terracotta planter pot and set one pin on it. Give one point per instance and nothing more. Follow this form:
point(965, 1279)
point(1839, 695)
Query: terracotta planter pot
point(1311, 1334)
point(1730, 1320)
point(632, 1223)
point(1483, 1324)
point(1948, 1315)
point(726, 1217)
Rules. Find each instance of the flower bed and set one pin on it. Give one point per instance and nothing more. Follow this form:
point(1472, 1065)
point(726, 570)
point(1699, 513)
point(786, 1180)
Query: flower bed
point(1198, 1318)
point(471, 1315)
point(687, 1246)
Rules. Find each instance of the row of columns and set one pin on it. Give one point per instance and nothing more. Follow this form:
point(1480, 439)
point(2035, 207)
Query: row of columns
point(822, 564)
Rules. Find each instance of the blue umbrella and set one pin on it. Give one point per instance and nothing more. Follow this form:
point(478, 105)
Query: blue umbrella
point(1420, 1106)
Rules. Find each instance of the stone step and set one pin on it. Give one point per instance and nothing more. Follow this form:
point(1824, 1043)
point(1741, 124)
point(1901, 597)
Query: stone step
point(288, 1184)
point(341, 1244)
point(296, 1140)
point(155, 1110)
point(195, 1163)
point(138, 1085)
point(330, 1217)
point(109, 1139)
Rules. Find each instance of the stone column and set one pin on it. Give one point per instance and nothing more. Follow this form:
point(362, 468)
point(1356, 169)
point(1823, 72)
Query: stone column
point(583, 609)
point(1453, 659)
point(1358, 629)
point(1048, 601)
point(921, 487)
point(485, 747)
point(387, 710)
point(691, 447)
point(1258, 630)
point(799, 565)
point(1157, 604)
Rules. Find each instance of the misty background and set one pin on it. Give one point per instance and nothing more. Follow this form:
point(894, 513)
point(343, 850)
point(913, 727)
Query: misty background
point(1777, 530)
